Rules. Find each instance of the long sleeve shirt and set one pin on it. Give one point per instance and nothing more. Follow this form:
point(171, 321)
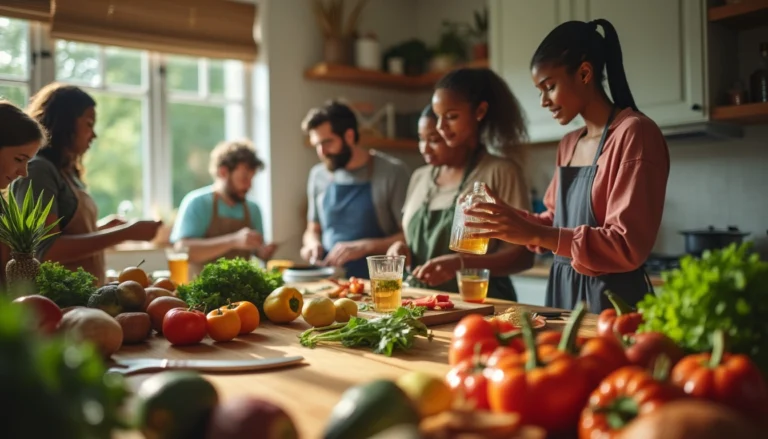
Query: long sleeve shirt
point(628, 196)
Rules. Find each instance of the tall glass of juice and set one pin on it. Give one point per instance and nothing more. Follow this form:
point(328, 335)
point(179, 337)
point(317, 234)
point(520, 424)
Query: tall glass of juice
point(178, 264)
point(386, 273)
point(473, 284)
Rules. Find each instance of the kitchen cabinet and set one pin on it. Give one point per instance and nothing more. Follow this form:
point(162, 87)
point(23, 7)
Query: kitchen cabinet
point(662, 43)
point(515, 30)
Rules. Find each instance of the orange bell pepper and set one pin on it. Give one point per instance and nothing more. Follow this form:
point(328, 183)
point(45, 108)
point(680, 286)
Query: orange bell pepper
point(622, 319)
point(730, 379)
point(545, 386)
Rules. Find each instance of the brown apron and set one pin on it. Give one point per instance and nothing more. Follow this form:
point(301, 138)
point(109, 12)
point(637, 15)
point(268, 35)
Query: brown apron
point(221, 226)
point(84, 221)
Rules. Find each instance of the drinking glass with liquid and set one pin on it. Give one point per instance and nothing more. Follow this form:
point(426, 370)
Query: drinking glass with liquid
point(386, 273)
point(178, 264)
point(461, 236)
point(473, 284)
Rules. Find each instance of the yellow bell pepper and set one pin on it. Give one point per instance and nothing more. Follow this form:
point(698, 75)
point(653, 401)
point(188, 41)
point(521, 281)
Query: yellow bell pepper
point(283, 305)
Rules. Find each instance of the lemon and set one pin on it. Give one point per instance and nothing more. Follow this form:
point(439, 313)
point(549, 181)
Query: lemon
point(345, 308)
point(319, 311)
point(430, 393)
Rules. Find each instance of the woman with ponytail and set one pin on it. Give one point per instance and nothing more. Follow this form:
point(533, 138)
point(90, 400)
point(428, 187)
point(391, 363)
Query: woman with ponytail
point(605, 202)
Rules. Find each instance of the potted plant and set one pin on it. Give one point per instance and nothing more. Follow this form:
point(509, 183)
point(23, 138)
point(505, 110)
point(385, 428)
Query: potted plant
point(451, 48)
point(480, 32)
point(338, 35)
point(22, 229)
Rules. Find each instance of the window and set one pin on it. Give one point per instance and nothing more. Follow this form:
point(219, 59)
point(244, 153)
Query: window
point(14, 60)
point(117, 79)
point(206, 102)
point(157, 116)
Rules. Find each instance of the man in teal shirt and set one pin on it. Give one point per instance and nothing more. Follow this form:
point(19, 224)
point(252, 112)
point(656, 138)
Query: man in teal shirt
point(217, 220)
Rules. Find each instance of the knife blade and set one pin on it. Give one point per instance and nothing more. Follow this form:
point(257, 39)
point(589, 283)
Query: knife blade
point(134, 365)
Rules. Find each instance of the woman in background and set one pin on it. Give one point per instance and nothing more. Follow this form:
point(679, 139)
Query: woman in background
point(20, 138)
point(69, 114)
point(604, 205)
point(473, 131)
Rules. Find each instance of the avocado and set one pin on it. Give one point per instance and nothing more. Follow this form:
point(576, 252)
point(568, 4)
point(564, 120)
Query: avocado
point(369, 409)
point(106, 299)
point(175, 405)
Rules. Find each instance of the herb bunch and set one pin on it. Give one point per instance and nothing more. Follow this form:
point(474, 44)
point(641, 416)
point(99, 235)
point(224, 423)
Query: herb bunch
point(386, 334)
point(64, 287)
point(230, 280)
point(725, 289)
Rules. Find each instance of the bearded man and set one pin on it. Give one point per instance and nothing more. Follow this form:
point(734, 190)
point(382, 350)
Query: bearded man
point(355, 196)
point(217, 220)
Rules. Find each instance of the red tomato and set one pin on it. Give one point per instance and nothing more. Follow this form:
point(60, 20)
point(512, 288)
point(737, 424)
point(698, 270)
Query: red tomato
point(468, 379)
point(45, 311)
point(475, 335)
point(184, 327)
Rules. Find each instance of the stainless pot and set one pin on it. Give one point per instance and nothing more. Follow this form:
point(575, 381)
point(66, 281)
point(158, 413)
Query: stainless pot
point(697, 241)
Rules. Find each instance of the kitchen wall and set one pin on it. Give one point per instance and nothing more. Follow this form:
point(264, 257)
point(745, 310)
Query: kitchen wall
point(292, 43)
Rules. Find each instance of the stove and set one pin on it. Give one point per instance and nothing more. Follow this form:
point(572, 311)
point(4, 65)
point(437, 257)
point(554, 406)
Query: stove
point(656, 263)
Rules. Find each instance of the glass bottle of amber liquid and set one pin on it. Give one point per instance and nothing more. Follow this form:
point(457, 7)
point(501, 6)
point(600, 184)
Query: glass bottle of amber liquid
point(461, 240)
point(758, 81)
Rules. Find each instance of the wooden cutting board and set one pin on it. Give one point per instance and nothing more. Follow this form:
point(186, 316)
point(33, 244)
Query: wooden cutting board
point(434, 318)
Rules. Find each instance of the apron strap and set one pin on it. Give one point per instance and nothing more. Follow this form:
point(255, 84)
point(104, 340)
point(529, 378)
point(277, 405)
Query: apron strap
point(473, 160)
point(215, 205)
point(600, 145)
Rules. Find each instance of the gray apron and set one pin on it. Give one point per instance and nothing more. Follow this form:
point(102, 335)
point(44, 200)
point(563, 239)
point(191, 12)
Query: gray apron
point(573, 208)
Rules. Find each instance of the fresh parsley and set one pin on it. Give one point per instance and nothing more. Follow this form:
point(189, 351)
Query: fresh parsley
point(64, 287)
point(725, 289)
point(386, 334)
point(230, 280)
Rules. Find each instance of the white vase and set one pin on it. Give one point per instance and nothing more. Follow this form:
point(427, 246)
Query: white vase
point(368, 53)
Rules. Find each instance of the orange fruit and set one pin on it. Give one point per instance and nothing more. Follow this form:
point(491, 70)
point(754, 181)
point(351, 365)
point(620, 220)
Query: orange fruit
point(135, 274)
point(165, 283)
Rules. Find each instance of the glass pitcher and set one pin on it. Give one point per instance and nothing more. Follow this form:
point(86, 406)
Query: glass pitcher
point(460, 235)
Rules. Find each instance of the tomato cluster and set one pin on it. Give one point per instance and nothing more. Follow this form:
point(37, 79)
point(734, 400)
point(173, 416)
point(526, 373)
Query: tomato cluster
point(563, 383)
point(189, 326)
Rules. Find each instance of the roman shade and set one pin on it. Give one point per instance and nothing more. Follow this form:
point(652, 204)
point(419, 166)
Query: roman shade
point(209, 28)
point(37, 10)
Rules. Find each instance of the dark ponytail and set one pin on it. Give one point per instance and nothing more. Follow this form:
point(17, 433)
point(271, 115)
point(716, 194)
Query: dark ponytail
point(503, 129)
point(575, 42)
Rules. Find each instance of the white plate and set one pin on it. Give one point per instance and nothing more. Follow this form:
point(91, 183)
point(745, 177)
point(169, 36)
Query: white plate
point(308, 274)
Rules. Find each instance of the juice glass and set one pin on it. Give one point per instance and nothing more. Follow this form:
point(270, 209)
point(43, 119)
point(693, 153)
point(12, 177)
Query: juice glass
point(178, 264)
point(473, 284)
point(386, 273)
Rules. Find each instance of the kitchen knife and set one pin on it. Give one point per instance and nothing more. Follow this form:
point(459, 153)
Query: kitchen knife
point(134, 365)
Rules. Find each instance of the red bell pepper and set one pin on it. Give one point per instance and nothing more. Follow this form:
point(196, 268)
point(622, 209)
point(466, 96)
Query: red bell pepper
point(730, 379)
point(642, 349)
point(622, 319)
point(545, 386)
point(469, 381)
point(625, 394)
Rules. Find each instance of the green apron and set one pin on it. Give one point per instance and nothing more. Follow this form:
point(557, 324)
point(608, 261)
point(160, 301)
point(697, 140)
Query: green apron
point(429, 232)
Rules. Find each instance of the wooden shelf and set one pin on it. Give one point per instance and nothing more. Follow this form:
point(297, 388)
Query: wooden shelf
point(375, 78)
point(744, 15)
point(746, 114)
point(385, 144)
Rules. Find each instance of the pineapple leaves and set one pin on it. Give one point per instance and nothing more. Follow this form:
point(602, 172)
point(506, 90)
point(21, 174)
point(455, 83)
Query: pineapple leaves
point(23, 228)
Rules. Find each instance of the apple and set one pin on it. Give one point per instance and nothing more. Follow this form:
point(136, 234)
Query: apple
point(45, 310)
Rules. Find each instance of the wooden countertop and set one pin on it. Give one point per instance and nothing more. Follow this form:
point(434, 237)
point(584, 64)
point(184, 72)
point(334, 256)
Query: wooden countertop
point(541, 269)
point(309, 392)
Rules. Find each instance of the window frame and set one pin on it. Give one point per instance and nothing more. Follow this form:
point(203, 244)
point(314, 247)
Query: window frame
point(157, 190)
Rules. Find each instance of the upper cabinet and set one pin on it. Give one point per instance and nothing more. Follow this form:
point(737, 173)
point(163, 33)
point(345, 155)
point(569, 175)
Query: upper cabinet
point(516, 29)
point(662, 43)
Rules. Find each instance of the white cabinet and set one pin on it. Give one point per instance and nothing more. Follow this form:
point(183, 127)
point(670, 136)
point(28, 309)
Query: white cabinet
point(662, 43)
point(516, 30)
